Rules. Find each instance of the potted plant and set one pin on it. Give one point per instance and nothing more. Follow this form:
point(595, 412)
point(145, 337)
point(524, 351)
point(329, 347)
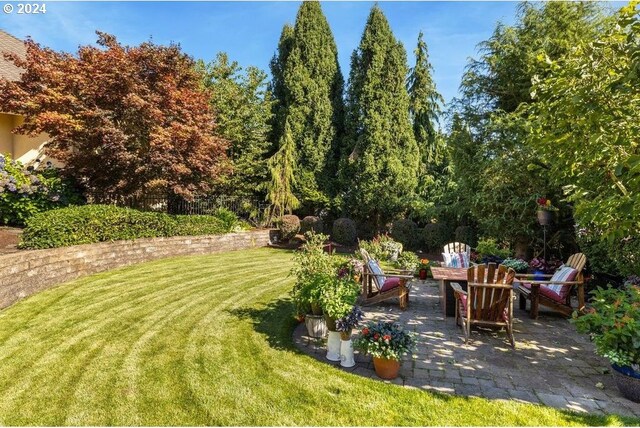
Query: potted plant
point(613, 323)
point(337, 298)
point(387, 342)
point(424, 269)
point(545, 210)
point(310, 264)
point(345, 326)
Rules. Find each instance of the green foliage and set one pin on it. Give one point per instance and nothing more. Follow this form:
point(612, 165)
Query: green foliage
point(382, 248)
point(98, 223)
point(499, 174)
point(25, 192)
point(614, 324)
point(425, 105)
point(311, 223)
point(338, 296)
point(281, 167)
point(309, 95)
point(435, 236)
point(344, 231)
point(385, 340)
point(381, 156)
point(311, 263)
point(407, 260)
point(289, 226)
point(467, 235)
point(228, 218)
point(590, 99)
point(405, 231)
point(489, 247)
point(519, 265)
point(243, 113)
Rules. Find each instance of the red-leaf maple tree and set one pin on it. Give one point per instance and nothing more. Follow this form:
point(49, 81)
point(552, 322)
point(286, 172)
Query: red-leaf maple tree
point(122, 119)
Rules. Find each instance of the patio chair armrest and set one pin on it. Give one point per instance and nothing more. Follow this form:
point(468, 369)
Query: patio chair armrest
point(457, 289)
point(554, 282)
point(398, 275)
point(487, 285)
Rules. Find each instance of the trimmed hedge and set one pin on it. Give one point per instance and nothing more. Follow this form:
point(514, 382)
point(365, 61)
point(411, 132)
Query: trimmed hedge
point(344, 231)
point(89, 224)
point(406, 232)
point(289, 226)
point(311, 223)
point(435, 236)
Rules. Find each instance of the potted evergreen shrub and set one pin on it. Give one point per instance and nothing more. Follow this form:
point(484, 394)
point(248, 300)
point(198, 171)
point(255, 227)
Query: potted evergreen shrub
point(613, 323)
point(386, 342)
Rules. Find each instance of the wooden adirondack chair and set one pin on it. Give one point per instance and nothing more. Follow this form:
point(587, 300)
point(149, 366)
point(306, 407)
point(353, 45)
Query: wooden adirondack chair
point(555, 291)
point(456, 248)
point(378, 285)
point(488, 300)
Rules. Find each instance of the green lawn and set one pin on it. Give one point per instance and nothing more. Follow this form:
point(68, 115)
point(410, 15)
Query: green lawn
point(202, 341)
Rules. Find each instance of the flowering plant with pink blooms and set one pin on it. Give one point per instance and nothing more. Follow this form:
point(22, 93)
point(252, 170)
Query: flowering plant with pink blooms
point(385, 340)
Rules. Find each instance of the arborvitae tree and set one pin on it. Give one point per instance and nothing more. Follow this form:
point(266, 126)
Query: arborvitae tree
point(281, 167)
point(381, 169)
point(243, 109)
point(309, 75)
point(277, 86)
point(425, 105)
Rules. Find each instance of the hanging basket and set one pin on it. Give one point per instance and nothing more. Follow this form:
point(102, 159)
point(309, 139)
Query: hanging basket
point(544, 217)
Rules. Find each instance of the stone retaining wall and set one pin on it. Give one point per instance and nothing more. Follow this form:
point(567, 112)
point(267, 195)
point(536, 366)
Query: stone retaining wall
point(27, 272)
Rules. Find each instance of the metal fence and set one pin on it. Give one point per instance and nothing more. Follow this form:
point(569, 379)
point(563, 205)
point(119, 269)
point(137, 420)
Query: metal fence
point(246, 208)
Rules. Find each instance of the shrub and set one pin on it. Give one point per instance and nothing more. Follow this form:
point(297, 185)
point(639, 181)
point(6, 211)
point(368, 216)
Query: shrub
point(311, 263)
point(344, 231)
point(98, 223)
point(467, 235)
point(338, 295)
point(228, 218)
point(405, 231)
point(311, 223)
point(435, 236)
point(289, 226)
point(407, 260)
point(489, 251)
point(24, 192)
point(519, 265)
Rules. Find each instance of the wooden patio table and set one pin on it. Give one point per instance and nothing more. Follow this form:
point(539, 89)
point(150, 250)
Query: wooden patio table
point(446, 275)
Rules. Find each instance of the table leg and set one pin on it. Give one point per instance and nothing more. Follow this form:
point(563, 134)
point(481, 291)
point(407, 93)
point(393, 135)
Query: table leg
point(443, 297)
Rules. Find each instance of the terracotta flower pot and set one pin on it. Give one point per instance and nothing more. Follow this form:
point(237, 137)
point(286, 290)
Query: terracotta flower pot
point(423, 274)
point(386, 368)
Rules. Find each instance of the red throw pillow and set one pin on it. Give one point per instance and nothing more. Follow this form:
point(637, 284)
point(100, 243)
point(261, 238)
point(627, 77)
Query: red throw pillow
point(390, 283)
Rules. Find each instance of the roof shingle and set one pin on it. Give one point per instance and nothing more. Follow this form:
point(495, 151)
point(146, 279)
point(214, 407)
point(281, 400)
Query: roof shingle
point(10, 44)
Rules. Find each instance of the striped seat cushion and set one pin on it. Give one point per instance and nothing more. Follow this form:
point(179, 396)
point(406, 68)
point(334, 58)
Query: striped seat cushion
point(378, 274)
point(565, 273)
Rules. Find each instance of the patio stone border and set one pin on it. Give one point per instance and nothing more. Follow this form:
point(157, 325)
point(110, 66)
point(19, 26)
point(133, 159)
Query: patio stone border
point(25, 273)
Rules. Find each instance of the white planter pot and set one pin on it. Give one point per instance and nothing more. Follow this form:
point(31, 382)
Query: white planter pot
point(333, 346)
point(346, 354)
point(316, 325)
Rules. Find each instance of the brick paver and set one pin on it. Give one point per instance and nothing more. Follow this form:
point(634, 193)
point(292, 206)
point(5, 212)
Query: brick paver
point(552, 364)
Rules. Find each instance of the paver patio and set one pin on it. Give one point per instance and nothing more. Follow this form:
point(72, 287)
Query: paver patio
point(552, 364)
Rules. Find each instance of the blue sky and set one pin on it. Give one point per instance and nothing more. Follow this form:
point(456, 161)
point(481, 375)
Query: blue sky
point(249, 31)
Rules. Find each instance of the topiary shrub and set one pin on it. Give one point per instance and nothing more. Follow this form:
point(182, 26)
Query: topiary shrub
point(311, 224)
point(344, 231)
point(405, 231)
point(89, 224)
point(467, 235)
point(289, 226)
point(435, 236)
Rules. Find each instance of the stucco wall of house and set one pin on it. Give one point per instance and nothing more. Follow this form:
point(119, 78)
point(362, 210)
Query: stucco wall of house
point(6, 138)
point(21, 147)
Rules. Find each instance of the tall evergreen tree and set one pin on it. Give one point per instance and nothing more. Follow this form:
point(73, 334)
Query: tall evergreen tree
point(425, 106)
point(381, 165)
point(308, 86)
point(277, 86)
point(243, 108)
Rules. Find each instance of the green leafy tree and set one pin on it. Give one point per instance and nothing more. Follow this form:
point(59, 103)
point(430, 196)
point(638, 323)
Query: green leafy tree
point(425, 106)
point(280, 194)
point(243, 109)
point(308, 85)
point(381, 167)
point(507, 172)
point(590, 100)
point(277, 84)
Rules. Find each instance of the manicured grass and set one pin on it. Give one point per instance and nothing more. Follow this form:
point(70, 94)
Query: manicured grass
point(202, 341)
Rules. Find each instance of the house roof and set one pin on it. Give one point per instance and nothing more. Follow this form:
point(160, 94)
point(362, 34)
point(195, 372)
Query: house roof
point(10, 44)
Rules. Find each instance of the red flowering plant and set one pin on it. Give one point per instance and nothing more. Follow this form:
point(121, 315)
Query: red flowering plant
point(385, 340)
point(544, 204)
